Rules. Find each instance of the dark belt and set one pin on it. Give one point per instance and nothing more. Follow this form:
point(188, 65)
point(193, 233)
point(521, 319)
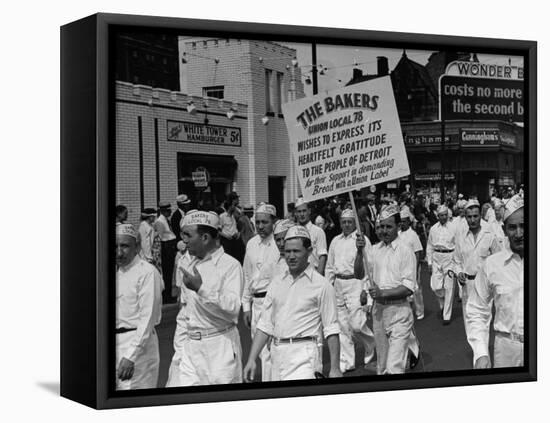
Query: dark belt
point(345, 277)
point(391, 302)
point(470, 277)
point(442, 250)
point(259, 294)
point(124, 330)
point(513, 336)
point(278, 341)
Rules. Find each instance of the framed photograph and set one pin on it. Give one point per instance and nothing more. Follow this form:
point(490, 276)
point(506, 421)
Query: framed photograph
point(270, 211)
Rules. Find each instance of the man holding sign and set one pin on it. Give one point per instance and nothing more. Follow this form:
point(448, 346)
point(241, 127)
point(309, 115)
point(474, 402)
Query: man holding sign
point(392, 265)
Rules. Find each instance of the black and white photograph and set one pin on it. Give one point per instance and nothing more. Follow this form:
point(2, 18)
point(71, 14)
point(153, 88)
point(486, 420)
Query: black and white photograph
point(290, 211)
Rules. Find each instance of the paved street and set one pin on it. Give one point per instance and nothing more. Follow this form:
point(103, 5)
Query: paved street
point(442, 347)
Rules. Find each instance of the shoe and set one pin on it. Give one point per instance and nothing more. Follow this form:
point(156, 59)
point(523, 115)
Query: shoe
point(371, 366)
point(446, 322)
point(420, 317)
point(413, 360)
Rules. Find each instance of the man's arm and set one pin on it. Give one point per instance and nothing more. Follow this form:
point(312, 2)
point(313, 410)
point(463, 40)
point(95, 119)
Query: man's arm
point(149, 304)
point(478, 317)
point(322, 264)
point(333, 342)
point(260, 339)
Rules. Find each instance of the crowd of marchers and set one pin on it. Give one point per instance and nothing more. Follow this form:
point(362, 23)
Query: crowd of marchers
point(320, 279)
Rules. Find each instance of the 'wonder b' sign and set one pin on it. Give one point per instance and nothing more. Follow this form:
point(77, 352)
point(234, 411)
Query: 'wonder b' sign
point(346, 139)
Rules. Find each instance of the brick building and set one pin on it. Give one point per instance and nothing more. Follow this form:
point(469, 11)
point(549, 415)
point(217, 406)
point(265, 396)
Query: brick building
point(161, 145)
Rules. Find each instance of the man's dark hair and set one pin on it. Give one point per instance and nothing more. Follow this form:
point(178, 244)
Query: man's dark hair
point(120, 209)
point(305, 242)
point(203, 229)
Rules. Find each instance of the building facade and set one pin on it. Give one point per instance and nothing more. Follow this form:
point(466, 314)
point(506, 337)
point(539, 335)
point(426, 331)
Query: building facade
point(227, 133)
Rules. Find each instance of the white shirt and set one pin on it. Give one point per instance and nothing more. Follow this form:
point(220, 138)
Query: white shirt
point(259, 264)
point(461, 225)
point(318, 242)
point(470, 253)
point(440, 237)
point(500, 281)
point(217, 303)
point(138, 302)
point(228, 225)
point(341, 256)
point(393, 265)
point(498, 230)
point(147, 235)
point(163, 229)
point(299, 307)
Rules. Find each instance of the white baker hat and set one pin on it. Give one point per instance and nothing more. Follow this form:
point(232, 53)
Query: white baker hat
point(405, 212)
point(200, 217)
point(267, 209)
point(283, 226)
point(300, 202)
point(513, 205)
point(297, 231)
point(472, 203)
point(389, 211)
point(126, 229)
point(442, 209)
point(347, 213)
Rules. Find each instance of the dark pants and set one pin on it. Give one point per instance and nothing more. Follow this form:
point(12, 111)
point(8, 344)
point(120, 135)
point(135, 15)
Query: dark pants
point(233, 247)
point(168, 254)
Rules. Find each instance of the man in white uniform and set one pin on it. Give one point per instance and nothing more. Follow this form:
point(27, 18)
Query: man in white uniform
point(439, 255)
point(212, 283)
point(472, 249)
point(260, 260)
point(351, 315)
point(500, 281)
point(393, 269)
point(168, 249)
point(147, 234)
point(297, 303)
point(138, 310)
point(318, 257)
point(410, 237)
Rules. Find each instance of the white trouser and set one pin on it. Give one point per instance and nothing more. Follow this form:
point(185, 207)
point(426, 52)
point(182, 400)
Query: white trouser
point(392, 326)
point(508, 352)
point(441, 283)
point(299, 360)
point(418, 298)
point(146, 366)
point(465, 294)
point(209, 361)
point(265, 356)
point(353, 323)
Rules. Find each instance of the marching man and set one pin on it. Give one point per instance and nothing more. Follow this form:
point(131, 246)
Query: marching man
point(392, 265)
point(209, 347)
point(500, 281)
point(297, 303)
point(138, 310)
point(439, 255)
point(318, 256)
point(351, 315)
point(472, 249)
point(260, 260)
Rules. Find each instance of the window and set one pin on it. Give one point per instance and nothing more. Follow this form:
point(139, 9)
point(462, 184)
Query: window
point(269, 104)
point(213, 92)
point(280, 92)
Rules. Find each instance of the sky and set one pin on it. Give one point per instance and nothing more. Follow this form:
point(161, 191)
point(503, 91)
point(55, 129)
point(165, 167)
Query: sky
point(340, 61)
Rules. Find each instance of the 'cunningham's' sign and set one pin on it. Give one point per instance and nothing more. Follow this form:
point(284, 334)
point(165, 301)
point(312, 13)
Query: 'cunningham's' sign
point(202, 134)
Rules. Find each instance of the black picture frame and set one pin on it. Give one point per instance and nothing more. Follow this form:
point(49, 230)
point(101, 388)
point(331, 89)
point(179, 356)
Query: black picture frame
point(87, 177)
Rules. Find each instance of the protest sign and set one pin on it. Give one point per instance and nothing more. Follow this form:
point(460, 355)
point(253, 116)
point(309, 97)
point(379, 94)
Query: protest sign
point(346, 139)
